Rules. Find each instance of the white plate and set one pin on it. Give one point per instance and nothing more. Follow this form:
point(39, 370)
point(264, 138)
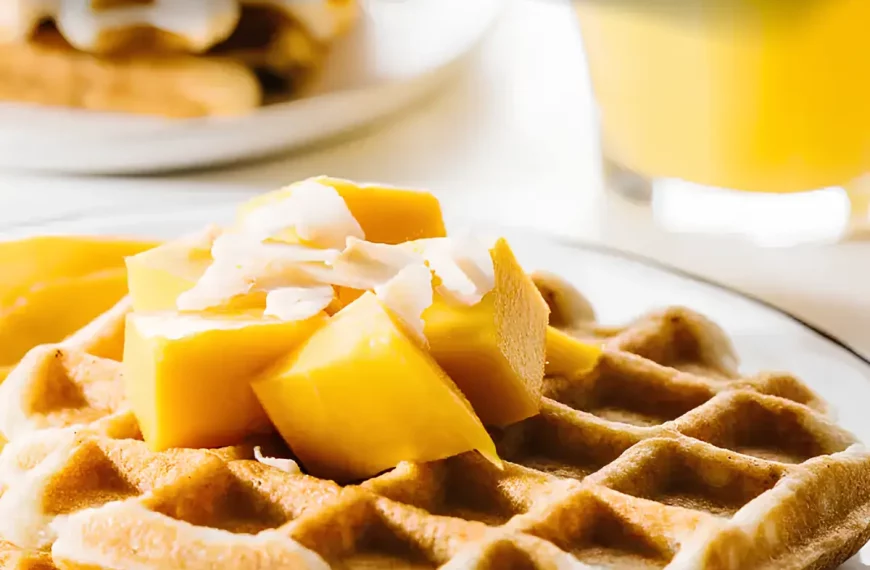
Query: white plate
point(621, 287)
point(400, 52)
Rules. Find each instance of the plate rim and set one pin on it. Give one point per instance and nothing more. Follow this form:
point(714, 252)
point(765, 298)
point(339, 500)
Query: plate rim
point(689, 275)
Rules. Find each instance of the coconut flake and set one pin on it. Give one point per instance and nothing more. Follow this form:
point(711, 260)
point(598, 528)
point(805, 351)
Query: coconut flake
point(243, 247)
point(286, 465)
point(316, 212)
point(366, 265)
point(298, 303)
point(408, 294)
point(242, 264)
point(464, 267)
point(298, 278)
point(202, 239)
point(220, 283)
point(472, 256)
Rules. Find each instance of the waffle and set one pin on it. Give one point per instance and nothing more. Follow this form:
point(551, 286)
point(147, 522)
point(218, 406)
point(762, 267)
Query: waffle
point(663, 456)
point(256, 52)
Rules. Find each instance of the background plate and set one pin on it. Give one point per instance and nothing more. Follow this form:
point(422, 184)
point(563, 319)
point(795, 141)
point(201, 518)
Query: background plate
point(621, 287)
point(400, 52)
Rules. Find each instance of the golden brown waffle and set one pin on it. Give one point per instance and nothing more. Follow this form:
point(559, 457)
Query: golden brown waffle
point(266, 54)
point(663, 456)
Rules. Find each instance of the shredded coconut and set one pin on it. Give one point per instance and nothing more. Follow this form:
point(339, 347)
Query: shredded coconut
point(298, 278)
point(464, 267)
point(316, 212)
point(242, 264)
point(286, 465)
point(408, 294)
point(365, 265)
point(298, 303)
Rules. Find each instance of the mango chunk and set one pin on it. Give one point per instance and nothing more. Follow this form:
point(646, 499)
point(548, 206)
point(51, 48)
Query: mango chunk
point(494, 350)
point(386, 214)
point(39, 261)
point(50, 312)
point(187, 376)
point(568, 356)
point(53, 285)
point(360, 396)
point(158, 276)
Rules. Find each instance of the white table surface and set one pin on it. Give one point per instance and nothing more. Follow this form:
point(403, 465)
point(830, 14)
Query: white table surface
point(510, 141)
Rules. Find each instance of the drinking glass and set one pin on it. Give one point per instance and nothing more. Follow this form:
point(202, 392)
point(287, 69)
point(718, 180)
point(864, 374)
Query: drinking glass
point(737, 116)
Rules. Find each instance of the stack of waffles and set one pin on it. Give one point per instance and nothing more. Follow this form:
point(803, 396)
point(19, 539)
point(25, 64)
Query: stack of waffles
point(173, 58)
point(662, 457)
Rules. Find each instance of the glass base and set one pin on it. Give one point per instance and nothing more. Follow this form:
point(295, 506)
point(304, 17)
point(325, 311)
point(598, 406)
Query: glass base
point(826, 215)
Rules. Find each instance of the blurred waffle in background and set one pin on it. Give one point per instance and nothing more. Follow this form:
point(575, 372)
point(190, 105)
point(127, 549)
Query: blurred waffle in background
point(165, 57)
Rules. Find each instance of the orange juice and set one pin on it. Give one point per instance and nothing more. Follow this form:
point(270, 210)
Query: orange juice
point(744, 94)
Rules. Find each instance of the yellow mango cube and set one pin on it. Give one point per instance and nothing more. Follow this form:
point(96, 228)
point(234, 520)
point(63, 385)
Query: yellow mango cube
point(385, 214)
point(360, 396)
point(187, 375)
point(53, 310)
point(157, 277)
point(391, 215)
point(569, 357)
point(53, 285)
point(38, 261)
point(494, 350)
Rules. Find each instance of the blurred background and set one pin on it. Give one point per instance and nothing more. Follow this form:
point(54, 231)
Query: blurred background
point(730, 143)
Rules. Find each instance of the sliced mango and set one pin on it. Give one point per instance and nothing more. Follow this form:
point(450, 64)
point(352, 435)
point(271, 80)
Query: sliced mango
point(157, 277)
point(188, 375)
point(40, 260)
point(386, 215)
point(568, 356)
point(50, 312)
point(53, 285)
point(360, 396)
point(494, 350)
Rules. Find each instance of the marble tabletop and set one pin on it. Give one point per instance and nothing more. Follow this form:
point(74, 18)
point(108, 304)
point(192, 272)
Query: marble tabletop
point(510, 140)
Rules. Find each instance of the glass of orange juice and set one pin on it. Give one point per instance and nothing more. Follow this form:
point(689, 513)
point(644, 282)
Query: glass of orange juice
point(747, 116)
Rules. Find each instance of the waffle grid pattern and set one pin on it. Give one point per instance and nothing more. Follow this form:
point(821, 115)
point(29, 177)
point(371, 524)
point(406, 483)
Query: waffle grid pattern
point(663, 457)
